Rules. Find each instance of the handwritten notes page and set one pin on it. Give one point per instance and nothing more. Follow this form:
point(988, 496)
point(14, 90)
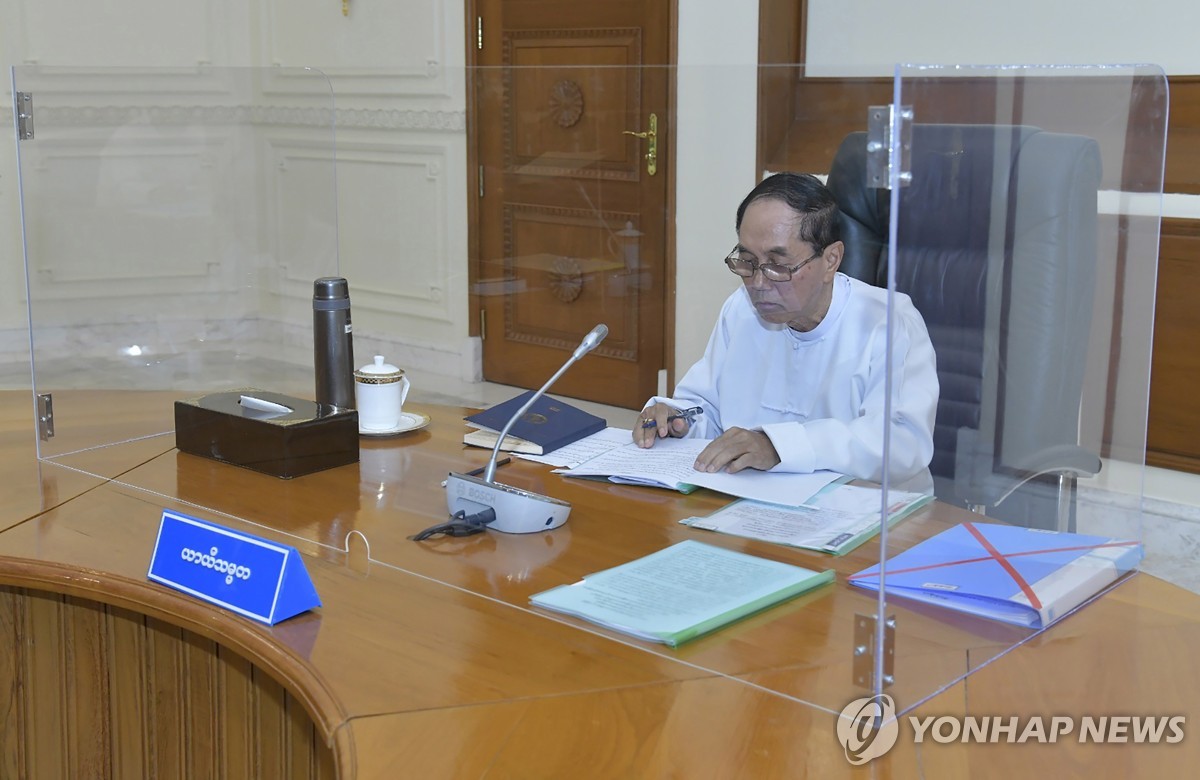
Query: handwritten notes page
point(585, 449)
point(681, 592)
point(669, 463)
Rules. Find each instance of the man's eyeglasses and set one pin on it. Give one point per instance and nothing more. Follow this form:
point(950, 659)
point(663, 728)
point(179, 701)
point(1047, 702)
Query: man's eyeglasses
point(774, 272)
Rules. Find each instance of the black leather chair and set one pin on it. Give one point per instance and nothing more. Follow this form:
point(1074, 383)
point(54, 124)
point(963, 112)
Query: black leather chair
point(997, 248)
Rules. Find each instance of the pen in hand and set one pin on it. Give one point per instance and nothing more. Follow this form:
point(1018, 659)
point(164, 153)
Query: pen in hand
point(686, 414)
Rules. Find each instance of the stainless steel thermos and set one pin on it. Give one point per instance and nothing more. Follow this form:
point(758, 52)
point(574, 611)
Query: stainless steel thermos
point(333, 342)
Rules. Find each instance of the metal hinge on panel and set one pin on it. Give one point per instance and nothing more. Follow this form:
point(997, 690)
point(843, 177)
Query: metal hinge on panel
point(481, 181)
point(45, 412)
point(24, 107)
point(479, 32)
point(866, 651)
point(483, 324)
point(880, 123)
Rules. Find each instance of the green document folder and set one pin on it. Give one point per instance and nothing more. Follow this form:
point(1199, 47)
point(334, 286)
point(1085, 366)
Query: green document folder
point(681, 592)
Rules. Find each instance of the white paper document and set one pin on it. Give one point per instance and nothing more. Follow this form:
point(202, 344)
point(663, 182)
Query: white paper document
point(836, 520)
point(585, 449)
point(681, 592)
point(669, 463)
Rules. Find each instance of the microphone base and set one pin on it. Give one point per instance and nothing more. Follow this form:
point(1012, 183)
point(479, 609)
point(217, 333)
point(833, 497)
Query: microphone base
point(517, 511)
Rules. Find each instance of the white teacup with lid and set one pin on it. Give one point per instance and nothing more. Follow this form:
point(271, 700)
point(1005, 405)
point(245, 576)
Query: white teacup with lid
point(379, 393)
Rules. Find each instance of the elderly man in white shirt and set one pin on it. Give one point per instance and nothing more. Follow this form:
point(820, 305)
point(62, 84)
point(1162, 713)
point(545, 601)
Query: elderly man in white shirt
point(793, 376)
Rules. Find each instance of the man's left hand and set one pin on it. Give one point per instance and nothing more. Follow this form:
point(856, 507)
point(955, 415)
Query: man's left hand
point(737, 449)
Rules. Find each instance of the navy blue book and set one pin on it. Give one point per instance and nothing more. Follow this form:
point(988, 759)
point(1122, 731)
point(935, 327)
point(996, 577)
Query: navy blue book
point(547, 425)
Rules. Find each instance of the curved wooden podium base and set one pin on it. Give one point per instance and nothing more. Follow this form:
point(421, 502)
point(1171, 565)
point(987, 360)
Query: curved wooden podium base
point(94, 690)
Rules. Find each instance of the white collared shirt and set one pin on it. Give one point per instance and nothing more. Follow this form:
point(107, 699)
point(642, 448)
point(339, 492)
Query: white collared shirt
point(819, 395)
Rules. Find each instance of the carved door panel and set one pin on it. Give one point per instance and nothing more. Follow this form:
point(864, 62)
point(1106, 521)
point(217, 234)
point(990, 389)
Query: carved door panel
point(571, 212)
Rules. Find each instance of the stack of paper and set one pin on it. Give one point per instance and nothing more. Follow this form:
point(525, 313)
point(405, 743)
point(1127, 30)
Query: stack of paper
point(669, 464)
point(836, 520)
point(679, 593)
point(577, 452)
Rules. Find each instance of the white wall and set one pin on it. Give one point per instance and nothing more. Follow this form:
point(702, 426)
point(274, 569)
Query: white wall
point(60, 32)
point(387, 149)
point(849, 33)
point(715, 159)
point(397, 72)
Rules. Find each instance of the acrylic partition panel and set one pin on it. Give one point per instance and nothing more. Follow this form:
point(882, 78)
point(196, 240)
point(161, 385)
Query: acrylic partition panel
point(1022, 210)
point(174, 221)
point(571, 196)
point(594, 195)
point(575, 223)
point(568, 193)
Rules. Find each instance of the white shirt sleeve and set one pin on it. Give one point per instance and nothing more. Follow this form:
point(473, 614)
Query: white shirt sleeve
point(699, 386)
point(819, 396)
point(854, 445)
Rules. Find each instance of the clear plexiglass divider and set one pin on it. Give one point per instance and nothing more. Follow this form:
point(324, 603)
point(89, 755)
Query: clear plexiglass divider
point(174, 222)
point(211, 209)
point(1017, 212)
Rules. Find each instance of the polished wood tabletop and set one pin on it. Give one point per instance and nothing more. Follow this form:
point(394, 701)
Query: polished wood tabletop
point(426, 659)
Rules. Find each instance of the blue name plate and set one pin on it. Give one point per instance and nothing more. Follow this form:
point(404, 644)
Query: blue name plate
point(251, 576)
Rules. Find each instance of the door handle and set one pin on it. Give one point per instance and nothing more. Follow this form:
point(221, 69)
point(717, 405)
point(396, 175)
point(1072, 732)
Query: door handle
point(650, 135)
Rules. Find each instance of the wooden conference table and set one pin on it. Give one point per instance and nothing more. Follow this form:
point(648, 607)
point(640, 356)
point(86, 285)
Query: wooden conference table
point(425, 659)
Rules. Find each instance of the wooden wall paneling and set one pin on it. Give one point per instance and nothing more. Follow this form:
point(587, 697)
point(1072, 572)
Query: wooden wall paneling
point(271, 713)
point(12, 708)
point(302, 746)
point(326, 769)
point(779, 44)
point(165, 693)
point(98, 691)
point(1146, 125)
point(1173, 438)
point(85, 670)
point(200, 701)
point(826, 111)
point(45, 687)
point(235, 691)
point(1182, 173)
point(128, 712)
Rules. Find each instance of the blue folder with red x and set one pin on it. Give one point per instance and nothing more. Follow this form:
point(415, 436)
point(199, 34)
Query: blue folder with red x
point(1018, 575)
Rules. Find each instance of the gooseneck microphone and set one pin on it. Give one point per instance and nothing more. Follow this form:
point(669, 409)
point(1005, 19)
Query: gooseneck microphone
point(589, 343)
point(517, 511)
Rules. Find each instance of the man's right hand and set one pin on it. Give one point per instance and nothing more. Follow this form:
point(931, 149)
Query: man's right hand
point(644, 434)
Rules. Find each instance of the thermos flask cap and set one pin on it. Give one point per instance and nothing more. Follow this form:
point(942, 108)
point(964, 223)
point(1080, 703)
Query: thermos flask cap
point(329, 289)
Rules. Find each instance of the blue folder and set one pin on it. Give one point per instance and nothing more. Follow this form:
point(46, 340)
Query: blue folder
point(1024, 576)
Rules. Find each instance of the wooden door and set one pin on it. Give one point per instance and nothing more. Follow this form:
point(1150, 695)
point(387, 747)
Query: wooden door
point(570, 224)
